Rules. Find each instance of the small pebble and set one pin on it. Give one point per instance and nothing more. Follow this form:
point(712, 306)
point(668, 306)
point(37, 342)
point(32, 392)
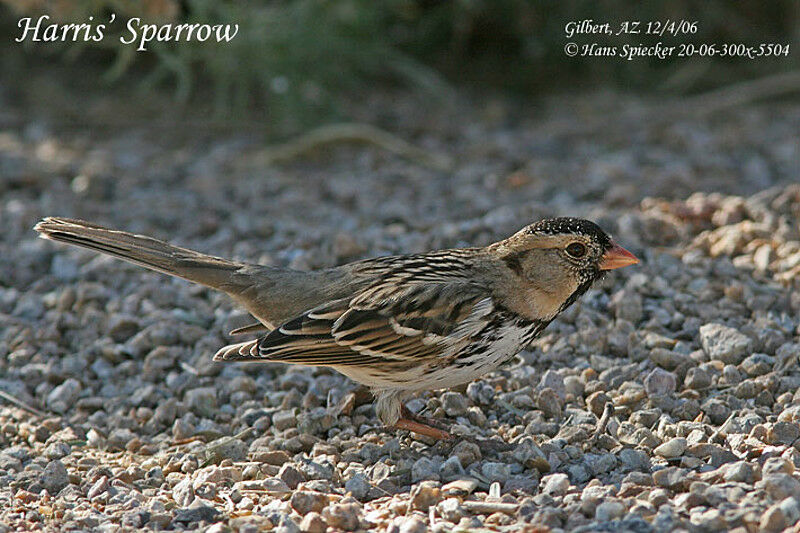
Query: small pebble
point(672, 448)
point(555, 484)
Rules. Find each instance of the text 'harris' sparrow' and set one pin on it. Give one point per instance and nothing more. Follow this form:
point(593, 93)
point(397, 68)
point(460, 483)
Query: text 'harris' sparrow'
point(398, 324)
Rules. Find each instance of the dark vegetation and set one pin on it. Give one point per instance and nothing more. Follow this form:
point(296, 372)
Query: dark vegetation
point(298, 62)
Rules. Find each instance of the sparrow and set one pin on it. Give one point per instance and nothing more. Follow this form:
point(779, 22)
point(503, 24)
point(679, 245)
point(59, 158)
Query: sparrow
point(399, 324)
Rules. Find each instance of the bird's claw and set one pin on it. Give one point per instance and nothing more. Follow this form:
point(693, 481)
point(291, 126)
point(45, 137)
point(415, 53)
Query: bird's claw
point(421, 425)
point(423, 429)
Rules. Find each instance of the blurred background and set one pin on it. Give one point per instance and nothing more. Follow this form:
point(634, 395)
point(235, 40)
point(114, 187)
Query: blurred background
point(298, 63)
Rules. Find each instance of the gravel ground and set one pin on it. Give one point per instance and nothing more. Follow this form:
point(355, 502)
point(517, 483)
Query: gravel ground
point(122, 420)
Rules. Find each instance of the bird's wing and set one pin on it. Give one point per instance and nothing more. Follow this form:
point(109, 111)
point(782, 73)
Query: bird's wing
point(392, 321)
point(258, 327)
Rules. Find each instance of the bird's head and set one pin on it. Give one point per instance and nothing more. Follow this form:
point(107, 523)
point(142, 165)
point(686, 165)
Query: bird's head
point(558, 259)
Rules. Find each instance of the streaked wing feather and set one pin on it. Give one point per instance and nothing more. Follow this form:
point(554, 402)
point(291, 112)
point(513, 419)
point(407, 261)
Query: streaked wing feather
point(390, 322)
point(251, 328)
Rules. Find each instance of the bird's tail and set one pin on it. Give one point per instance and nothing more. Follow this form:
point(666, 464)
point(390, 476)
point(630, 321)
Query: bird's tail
point(142, 250)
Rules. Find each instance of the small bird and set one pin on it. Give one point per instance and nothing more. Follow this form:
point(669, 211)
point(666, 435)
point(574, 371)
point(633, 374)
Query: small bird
point(399, 324)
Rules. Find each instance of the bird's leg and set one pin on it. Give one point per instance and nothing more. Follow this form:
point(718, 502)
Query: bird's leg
point(406, 413)
point(420, 425)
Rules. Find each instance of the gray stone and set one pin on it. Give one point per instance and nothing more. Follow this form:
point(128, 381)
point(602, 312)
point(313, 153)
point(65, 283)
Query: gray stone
point(758, 364)
point(226, 448)
point(370, 452)
point(57, 450)
point(343, 516)
point(202, 401)
point(64, 267)
point(467, 452)
point(634, 460)
point(685, 409)
point(553, 380)
point(654, 340)
point(731, 375)
point(741, 471)
point(273, 485)
point(182, 428)
point(495, 471)
point(450, 510)
point(122, 327)
point(135, 519)
point(773, 519)
point(119, 438)
point(747, 389)
point(412, 524)
point(451, 468)
point(316, 469)
point(597, 401)
point(454, 404)
point(244, 384)
point(530, 455)
point(790, 507)
point(9, 463)
point(659, 382)
point(672, 448)
point(697, 378)
point(645, 417)
point(476, 416)
point(316, 421)
point(29, 306)
point(201, 513)
point(607, 511)
point(522, 400)
point(480, 392)
point(724, 343)
point(780, 486)
point(358, 486)
point(783, 433)
point(287, 525)
point(158, 361)
point(305, 501)
point(574, 386)
point(601, 463)
point(290, 475)
point(717, 410)
point(550, 403)
point(777, 465)
point(579, 473)
point(313, 523)
point(54, 477)
point(285, 419)
point(555, 484)
point(667, 359)
point(524, 483)
point(183, 492)
point(63, 397)
point(166, 412)
point(710, 520)
point(424, 468)
point(98, 488)
point(627, 305)
point(672, 478)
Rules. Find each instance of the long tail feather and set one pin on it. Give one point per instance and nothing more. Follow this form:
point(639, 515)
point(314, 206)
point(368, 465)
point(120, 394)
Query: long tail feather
point(142, 250)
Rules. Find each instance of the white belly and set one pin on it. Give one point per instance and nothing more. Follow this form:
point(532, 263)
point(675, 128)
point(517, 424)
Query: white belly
point(445, 372)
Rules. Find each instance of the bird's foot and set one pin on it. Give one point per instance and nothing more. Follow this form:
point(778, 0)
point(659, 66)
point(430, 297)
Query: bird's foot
point(422, 429)
point(421, 425)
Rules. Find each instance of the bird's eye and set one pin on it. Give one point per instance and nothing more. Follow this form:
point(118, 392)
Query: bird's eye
point(576, 250)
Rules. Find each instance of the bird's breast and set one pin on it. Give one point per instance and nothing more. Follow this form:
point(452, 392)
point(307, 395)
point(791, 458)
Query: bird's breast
point(498, 342)
point(538, 303)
